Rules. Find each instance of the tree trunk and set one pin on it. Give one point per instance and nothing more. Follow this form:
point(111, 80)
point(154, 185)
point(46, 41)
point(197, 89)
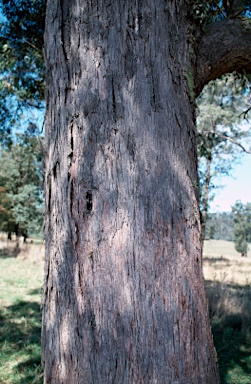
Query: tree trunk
point(124, 298)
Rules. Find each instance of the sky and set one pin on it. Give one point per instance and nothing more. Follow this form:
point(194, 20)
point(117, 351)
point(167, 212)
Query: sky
point(235, 188)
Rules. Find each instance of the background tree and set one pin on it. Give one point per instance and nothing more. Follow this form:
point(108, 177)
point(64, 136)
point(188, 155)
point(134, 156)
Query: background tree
point(6, 215)
point(124, 293)
point(21, 105)
point(22, 66)
point(220, 226)
point(221, 132)
point(20, 187)
point(242, 226)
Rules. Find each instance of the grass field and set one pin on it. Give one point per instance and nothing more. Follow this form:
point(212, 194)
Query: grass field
point(222, 263)
point(227, 281)
point(20, 317)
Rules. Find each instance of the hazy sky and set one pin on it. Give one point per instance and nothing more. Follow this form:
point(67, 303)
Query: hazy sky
point(235, 188)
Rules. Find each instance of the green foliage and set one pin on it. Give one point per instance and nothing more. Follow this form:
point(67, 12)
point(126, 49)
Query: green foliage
point(21, 67)
point(220, 226)
point(242, 226)
point(6, 216)
point(220, 113)
point(206, 12)
point(21, 42)
point(20, 186)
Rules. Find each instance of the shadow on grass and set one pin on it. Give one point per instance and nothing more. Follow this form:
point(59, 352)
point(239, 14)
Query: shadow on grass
point(20, 329)
point(230, 315)
point(9, 252)
point(213, 260)
point(37, 291)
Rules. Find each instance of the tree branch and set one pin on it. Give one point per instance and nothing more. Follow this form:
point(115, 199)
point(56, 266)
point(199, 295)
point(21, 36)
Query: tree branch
point(227, 138)
point(245, 113)
point(233, 141)
point(32, 45)
point(223, 47)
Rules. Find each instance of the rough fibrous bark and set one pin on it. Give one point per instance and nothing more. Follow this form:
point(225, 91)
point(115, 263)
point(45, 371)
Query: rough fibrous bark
point(124, 298)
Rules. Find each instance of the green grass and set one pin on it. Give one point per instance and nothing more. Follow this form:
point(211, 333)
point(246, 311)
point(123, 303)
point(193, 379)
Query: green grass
point(20, 321)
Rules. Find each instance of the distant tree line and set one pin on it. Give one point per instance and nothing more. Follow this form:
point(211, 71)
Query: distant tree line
point(220, 226)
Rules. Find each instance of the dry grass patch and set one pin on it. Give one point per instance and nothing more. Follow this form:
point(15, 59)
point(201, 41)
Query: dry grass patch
point(227, 282)
point(32, 250)
point(222, 263)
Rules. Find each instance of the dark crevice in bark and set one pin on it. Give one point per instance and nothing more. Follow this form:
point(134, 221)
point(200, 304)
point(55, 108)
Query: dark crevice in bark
point(54, 171)
point(49, 193)
point(114, 108)
point(89, 201)
point(63, 31)
point(71, 196)
point(154, 78)
point(223, 47)
point(72, 140)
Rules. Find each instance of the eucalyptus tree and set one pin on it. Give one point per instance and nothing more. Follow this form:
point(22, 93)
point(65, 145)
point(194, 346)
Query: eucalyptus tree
point(124, 298)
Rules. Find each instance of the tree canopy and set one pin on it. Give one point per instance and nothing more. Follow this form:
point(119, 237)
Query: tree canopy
point(22, 67)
